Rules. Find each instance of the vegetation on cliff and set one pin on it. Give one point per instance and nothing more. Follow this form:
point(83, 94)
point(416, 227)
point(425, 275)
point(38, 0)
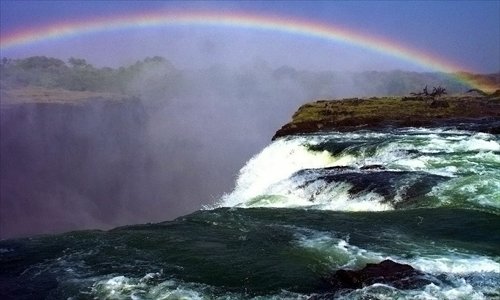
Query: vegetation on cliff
point(41, 79)
point(75, 75)
point(155, 77)
point(349, 114)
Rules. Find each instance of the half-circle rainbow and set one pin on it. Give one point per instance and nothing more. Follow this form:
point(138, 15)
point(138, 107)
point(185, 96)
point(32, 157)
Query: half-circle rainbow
point(239, 20)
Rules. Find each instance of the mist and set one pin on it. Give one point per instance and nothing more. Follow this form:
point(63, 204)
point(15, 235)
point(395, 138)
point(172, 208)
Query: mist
point(173, 147)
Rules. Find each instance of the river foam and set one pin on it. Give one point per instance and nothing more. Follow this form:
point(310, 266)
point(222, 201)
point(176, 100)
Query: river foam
point(470, 160)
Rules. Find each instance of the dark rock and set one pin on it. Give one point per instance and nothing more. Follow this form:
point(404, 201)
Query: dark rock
point(339, 168)
point(493, 130)
point(381, 182)
point(372, 167)
point(400, 276)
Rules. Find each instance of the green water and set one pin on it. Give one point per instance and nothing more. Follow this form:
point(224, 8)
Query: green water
point(246, 252)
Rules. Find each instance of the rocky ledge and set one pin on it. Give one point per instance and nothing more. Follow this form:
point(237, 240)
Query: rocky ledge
point(400, 276)
point(482, 112)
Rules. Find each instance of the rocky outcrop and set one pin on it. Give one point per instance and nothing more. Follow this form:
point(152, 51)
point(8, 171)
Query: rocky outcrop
point(483, 112)
point(399, 189)
point(400, 276)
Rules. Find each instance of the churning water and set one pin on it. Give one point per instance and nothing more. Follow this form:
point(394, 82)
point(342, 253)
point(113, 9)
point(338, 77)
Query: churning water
point(301, 209)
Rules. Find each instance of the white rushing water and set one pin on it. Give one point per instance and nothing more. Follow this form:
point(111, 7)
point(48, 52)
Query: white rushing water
point(470, 160)
point(468, 276)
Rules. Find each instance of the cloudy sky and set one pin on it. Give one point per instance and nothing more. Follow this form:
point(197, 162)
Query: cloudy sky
point(462, 33)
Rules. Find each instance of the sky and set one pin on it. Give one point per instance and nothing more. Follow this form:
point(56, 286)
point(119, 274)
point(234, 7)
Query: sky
point(464, 33)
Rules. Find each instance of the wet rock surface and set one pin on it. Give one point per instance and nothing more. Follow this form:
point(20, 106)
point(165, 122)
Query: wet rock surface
point(400, 276)
point(387, 184)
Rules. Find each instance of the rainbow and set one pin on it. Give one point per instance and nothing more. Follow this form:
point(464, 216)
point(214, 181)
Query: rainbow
point(240, 20)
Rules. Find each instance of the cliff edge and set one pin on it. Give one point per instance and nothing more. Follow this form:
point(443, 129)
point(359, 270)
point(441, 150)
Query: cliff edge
point(64, 155)
point(474, 112)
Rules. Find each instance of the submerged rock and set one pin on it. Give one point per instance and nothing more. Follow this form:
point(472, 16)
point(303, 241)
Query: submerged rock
point(372, 167)
point(400, 276)
point(400, 189)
